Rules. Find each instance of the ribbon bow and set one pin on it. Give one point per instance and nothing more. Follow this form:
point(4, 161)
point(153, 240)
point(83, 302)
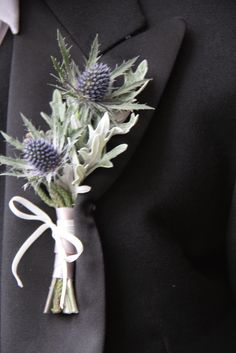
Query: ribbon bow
point(58, 235)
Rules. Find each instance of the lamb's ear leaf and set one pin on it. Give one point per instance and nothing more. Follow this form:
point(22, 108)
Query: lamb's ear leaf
point(124, 128)
point(105, 164)
point(116, 151)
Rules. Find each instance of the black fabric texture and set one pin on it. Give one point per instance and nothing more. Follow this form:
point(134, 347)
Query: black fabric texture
point(158, 273)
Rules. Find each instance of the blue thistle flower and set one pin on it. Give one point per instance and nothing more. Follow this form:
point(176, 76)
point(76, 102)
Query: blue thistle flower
point(94, 82)
point(41, 155)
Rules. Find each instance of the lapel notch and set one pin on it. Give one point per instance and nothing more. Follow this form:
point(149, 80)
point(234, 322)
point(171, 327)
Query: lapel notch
point(113, 20)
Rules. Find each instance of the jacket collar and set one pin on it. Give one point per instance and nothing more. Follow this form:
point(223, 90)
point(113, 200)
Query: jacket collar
point(113, 20)
point(79, 23)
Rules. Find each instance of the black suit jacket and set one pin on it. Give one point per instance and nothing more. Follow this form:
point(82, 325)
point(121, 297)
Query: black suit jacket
point(158, 271)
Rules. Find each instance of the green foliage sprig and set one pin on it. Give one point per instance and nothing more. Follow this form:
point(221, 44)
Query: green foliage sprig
point(117, 98)
point(87, 110)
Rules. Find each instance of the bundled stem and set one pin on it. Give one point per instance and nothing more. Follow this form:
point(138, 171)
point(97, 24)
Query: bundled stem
point(56, 302)
point(54, 295)
point(56, 196)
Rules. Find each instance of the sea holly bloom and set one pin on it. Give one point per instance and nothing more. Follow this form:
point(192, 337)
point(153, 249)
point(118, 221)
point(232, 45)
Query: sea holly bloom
point(95, 87)
point(41, 155)
point(94, 82)
point(56, 162)
point(45, 155)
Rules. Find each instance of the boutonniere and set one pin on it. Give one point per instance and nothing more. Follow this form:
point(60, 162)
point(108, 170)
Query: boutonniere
point(88, 108)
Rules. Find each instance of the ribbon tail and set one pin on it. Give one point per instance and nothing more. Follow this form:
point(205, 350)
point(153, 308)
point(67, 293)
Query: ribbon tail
point(64, 258)
point(62, 253)
point(64, 284)
point(20, 253)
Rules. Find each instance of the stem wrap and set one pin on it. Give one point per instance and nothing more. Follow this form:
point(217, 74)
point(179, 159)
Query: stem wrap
point(59, 234)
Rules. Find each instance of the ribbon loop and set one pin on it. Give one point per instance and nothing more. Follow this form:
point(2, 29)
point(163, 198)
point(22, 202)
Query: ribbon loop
point(58, 235)
point(37, 213)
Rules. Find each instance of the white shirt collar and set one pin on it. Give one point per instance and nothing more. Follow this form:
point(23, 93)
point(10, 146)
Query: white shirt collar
point(9, 17)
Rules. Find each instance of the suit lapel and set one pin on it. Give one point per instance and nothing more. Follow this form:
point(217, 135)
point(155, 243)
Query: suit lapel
point(113, 20)
point(160, 46)
point(29, 93)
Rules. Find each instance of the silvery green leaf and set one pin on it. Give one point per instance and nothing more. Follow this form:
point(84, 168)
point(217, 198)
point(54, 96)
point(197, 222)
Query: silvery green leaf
point(126, 88)
point(124, 67)
point(15, 174)
point(72, 105)
point(12, 141)
point(115, 152)
point(103, 125)
point(142, 69)
point(124, 128)
point(80, 170)
point(66, 180)
point(105, 163)
point(91, 133)
point(63, 129)
point(92, 155)
point(138, 75)
point(65, 51)
point(94, 53)
point(59, 119)
point(74, 136)
point(75, 68)
point(75, 121)
point(74, 157)
point(56, 65)
point(58, 107)
point(98, 144)
point(47, 118)
point(101, 130)
point(60, 70)
point(130, 96)
point(98, 107)
point(31, 128)
point(130, 106)
point(85, 115)
point(85, 153)
point(79, 175)
point(13, 162)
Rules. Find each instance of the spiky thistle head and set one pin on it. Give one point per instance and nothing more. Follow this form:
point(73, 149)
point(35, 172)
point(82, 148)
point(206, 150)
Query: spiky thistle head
point(94, 82)
point(99, 88)
point(41, 155)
